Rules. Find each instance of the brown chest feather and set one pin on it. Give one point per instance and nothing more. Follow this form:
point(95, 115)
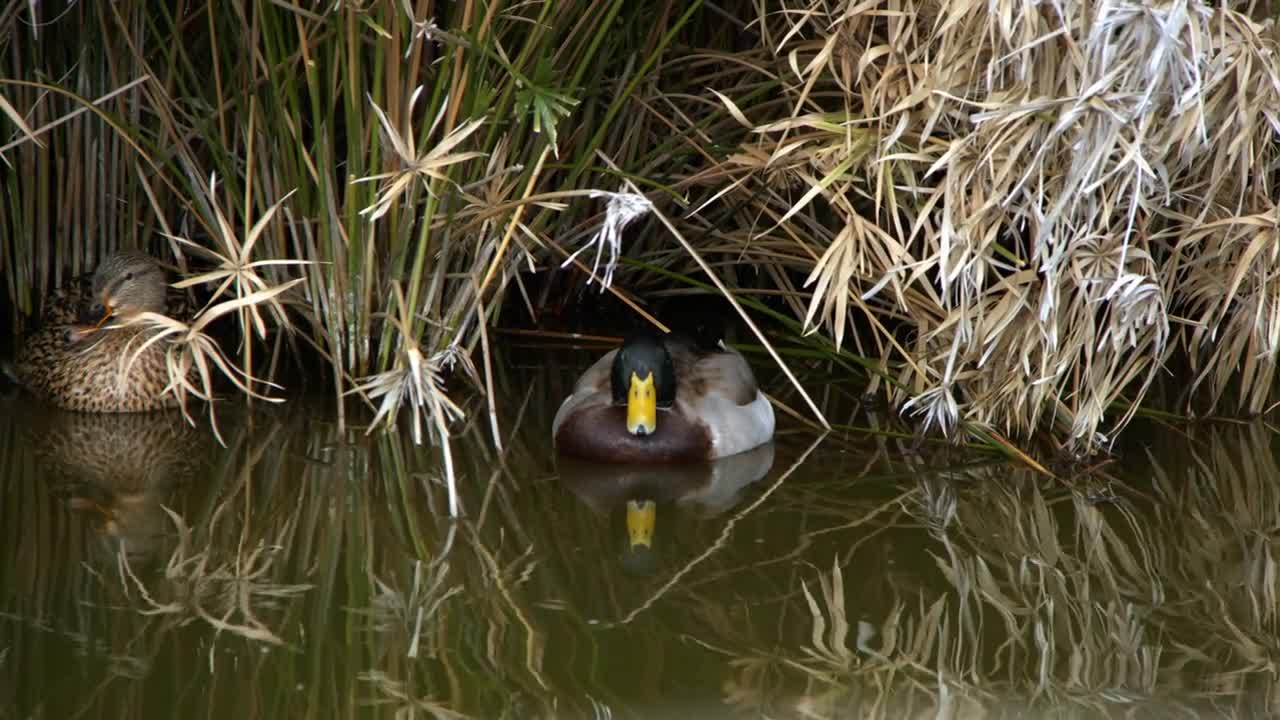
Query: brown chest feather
point(97, 374)
point(600, 434)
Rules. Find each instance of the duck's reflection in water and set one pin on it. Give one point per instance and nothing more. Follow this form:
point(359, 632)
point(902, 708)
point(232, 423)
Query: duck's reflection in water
point(117, 470)
point(704, 489)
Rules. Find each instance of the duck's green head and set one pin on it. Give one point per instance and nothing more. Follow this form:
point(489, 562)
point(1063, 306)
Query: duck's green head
point(126, 283)
point(643, 379)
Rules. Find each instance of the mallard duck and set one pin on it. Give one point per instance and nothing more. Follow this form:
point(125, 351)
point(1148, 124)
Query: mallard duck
point(661, 400)
point(78, 362)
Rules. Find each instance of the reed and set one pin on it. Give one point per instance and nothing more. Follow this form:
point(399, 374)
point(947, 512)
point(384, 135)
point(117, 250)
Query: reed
point(1001, 218)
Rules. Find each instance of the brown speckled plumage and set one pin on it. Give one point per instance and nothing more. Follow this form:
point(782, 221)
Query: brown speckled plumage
point(74, 366)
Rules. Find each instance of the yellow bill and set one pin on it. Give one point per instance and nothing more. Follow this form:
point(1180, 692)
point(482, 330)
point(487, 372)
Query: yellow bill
point(641, 516)
point(642, 406)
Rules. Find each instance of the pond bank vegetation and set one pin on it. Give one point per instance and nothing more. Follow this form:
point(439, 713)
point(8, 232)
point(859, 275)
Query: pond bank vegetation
point(1000, 218)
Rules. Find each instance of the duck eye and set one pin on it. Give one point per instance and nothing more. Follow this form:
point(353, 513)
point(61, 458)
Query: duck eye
point(128, 276)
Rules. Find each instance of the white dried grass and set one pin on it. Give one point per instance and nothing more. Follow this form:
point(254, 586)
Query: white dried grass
point(1048, 199)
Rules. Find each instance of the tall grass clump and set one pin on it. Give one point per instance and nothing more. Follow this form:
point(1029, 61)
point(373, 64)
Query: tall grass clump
point(402, 160)
point(1014, 216)
point(1026, 212)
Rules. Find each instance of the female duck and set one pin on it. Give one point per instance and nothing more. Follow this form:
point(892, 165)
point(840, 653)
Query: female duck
point(76, 361)
point(658, 400)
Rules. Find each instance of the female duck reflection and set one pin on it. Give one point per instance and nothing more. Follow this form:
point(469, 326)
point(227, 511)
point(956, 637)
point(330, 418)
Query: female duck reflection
point(707, 489)
point(116, 469)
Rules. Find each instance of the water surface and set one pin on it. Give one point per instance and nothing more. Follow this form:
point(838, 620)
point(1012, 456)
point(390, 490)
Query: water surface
point(308, 571)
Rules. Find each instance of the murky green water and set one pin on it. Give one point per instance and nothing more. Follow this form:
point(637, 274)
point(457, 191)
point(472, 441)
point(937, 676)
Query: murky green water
point(307, 572)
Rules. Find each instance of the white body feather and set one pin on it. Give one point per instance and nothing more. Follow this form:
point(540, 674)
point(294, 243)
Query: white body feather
point(734, 428)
